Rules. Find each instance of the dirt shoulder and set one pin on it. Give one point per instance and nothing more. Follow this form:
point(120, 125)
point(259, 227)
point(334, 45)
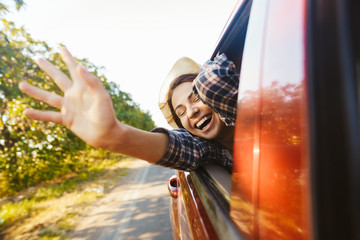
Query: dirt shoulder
point(45, 212)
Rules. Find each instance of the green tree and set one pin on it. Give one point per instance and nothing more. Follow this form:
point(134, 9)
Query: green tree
point(33, 151)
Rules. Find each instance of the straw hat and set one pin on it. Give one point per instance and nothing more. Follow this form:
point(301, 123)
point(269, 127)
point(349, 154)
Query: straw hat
point(182, 66)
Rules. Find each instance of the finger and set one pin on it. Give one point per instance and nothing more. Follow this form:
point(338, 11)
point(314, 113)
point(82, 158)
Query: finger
point(58, 76)
point(42, 95)
point(70, 62)
point(89, 79)
point(46, 116)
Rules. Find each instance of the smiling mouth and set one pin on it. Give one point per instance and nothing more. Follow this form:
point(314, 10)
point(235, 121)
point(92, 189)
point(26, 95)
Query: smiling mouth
point(204, 122)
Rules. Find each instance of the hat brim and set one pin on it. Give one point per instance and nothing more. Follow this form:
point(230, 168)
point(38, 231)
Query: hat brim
point(182, 66)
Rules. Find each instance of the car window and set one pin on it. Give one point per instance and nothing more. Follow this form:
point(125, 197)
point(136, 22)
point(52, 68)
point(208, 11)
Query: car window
point(213, 183)
point(221, 178)
point(232, 39)
point(231, 43)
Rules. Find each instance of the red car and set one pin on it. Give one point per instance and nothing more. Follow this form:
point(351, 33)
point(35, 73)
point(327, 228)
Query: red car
point(296, 153)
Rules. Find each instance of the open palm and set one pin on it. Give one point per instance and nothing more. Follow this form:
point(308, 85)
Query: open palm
point(86, 107)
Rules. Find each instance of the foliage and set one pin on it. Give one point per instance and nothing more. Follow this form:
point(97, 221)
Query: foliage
point(33, 151)
point(49, 210)
point(4, 8)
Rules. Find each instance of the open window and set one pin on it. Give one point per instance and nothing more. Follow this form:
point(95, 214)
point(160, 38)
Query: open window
point(213, 182)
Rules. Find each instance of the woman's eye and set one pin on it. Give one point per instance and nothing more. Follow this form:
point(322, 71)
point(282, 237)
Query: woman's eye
point(196, 99)
point(182, 113)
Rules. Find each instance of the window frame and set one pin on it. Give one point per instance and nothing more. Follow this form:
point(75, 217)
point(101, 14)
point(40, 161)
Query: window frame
point(213, 183)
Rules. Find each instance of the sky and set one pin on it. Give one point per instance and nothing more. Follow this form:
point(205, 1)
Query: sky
point(136, 41)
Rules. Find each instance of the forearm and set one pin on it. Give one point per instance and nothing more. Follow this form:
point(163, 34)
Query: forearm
point(127, 140)
point(187, 152)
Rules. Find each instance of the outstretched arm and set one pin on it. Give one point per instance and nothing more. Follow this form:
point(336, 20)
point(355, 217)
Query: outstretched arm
point(86, 109)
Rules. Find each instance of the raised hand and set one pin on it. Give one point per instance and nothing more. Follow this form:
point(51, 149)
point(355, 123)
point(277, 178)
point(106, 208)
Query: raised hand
point(86, 107)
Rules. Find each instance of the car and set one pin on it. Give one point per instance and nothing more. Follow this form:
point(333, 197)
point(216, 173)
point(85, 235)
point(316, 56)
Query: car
point(296, 154)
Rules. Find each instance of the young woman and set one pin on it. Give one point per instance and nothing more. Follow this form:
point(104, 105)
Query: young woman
point(86, 109)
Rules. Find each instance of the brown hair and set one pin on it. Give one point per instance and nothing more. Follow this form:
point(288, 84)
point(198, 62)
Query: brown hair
point(179, 80)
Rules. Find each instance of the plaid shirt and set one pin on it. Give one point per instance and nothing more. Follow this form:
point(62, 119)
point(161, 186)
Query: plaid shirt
point(188, 152)
point(217, 86)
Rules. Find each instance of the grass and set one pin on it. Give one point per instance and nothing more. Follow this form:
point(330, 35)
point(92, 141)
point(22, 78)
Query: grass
point(50, 211)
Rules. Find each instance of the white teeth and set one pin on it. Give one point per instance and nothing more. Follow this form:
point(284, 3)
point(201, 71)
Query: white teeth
point(201, 122)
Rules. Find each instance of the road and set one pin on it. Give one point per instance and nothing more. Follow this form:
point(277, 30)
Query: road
point(137, 208)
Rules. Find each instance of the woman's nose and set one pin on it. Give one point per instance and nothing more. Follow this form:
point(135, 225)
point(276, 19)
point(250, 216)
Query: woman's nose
point(192, 112)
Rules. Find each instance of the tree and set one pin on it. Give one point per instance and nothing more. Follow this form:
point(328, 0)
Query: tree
point(32, 151)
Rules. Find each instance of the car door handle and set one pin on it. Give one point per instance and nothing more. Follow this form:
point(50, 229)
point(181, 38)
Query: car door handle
point(173, 185)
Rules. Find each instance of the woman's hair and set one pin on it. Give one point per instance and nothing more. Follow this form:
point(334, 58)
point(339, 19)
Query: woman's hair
point(179, 80)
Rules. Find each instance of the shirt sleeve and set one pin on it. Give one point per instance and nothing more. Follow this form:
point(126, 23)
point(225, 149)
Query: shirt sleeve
point(217, 86)
point(188, 152)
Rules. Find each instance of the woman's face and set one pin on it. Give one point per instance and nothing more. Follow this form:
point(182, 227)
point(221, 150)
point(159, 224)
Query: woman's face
point(196, 117)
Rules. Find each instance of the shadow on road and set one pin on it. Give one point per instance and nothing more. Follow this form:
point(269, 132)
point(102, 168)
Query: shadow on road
point(138, 208)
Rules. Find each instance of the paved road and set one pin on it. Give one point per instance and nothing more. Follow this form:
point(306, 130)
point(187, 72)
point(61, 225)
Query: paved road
point(138, 208)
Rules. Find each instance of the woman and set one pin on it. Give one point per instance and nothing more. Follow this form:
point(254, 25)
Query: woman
point(86, 109)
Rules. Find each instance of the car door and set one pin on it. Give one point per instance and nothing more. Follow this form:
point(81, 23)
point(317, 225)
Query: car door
point(271, 188)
